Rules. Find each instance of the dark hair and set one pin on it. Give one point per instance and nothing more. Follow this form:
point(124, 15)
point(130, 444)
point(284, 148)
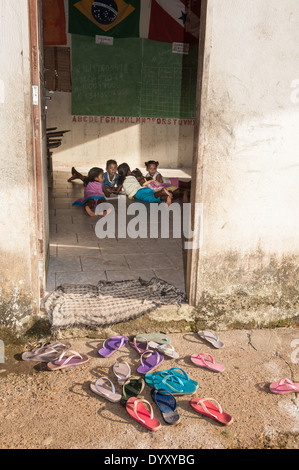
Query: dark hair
point(137, 173)
point(110, 162)
point(151, 162)
point(92, 174)
point(122, 171)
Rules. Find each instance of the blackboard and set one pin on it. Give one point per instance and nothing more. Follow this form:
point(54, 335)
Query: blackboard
point(132, 77)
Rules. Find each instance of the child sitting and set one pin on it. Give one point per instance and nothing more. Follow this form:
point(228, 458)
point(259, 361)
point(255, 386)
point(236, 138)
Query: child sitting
point(134, 190)
point(94, 191)
point(152, 170)
point(110, 176)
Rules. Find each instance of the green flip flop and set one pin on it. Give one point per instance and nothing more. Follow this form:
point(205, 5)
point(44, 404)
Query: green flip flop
point(132, 388)
point(160, 338)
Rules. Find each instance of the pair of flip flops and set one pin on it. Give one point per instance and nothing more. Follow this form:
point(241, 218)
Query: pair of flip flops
point(175, 381)
point(210, 338)
point(212, 409)
point(105, 388)
point(207, 361)
point(58, 355)
point(284, 386)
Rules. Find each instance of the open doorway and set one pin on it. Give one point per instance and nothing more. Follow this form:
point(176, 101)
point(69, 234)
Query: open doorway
point(76, 254)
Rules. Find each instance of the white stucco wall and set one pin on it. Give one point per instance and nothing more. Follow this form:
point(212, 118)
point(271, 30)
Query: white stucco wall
point(18, 265)
point(249, 144)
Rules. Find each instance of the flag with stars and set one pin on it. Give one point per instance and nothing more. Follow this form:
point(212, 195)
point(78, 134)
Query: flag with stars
point(175, 21)
point(116, 18)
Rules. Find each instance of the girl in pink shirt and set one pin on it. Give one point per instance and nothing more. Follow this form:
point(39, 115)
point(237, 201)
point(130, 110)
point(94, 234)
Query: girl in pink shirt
point(94, 191)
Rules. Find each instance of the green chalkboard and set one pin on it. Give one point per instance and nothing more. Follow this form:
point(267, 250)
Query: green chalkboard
point(132, 77)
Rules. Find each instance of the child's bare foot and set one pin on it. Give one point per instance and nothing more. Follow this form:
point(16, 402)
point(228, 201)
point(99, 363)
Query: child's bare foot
point(89, 211)
point(74, 174)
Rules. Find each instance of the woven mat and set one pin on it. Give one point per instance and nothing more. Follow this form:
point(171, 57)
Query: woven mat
point(108, 303)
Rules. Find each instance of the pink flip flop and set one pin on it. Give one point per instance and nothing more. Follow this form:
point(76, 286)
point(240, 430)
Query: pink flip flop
point(75, 359)
point(205, 407)
point(284, 386)
point(207, 361)
point(112, 344)
point(136, 409)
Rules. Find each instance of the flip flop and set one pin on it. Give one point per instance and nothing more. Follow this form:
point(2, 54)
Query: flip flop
point(75, 359)
point(210, 338)
point(132, 388)
point(136, 409)
point(205, 407)
point(122, 370)
point(140, 346)
point(46, 352)
point(160, 338)
point(284, 386)
point(100, 387)
point(167, 405)
point(112, 344)
point(153, 359)
point(207, 361)
point(175, 383)
point(163, 373)
point(166, 349)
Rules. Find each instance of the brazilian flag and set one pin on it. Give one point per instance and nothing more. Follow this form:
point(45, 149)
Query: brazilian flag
point(116, 18)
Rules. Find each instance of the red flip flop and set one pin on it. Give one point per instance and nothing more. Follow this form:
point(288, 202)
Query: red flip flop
point(207, 361)
point(135, 407)
point(205, 407)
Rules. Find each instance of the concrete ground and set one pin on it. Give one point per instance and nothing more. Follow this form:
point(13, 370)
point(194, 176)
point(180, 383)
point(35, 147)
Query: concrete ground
point(43, 409)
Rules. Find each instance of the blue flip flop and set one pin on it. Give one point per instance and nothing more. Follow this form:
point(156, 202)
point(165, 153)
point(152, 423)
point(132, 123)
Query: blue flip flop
point(167, 404)
point(176, 382)
point(173, 371)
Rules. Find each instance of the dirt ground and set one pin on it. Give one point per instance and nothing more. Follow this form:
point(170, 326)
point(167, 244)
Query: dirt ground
point(43, 409)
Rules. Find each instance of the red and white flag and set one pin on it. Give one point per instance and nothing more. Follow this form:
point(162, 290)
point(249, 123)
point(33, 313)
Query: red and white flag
point(175, 21)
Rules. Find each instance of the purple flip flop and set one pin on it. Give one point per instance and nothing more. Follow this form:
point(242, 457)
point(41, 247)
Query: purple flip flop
point(112, 344)
point(151, 362)
point(139, 346)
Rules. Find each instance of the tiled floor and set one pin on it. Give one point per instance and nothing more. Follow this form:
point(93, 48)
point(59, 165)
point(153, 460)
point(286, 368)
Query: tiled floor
point(78, 256)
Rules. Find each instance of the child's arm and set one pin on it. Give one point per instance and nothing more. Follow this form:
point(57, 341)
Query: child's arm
point(117, 190)
point(107, 190)
point(159, 178)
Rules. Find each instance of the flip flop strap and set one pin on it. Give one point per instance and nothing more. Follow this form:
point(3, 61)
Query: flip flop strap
point(165, 381)
point(162, 347)
point(141, 400)
point(149, 351)
point(181, 370)
point(122, 341)
point(202, 357)
point(96, 384)
point(202, 403)
point(119, 376)
point(286, 382)
point(135, 344)
point(73, 354)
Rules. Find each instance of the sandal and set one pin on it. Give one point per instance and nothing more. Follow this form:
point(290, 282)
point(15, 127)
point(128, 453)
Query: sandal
point(210, 338)
point(167, 405)
point(151, 362)
point(46, 352)
point(205, 407)
point(176, 381)
point(112, 344)
point(166, 349)
point(75, 359)
point(101, 388)
point(207, 361)
point(132, 388)
point(160, 338)
point(284, 386)
point(141, 345)
point(136, 409)
point(122, 370)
